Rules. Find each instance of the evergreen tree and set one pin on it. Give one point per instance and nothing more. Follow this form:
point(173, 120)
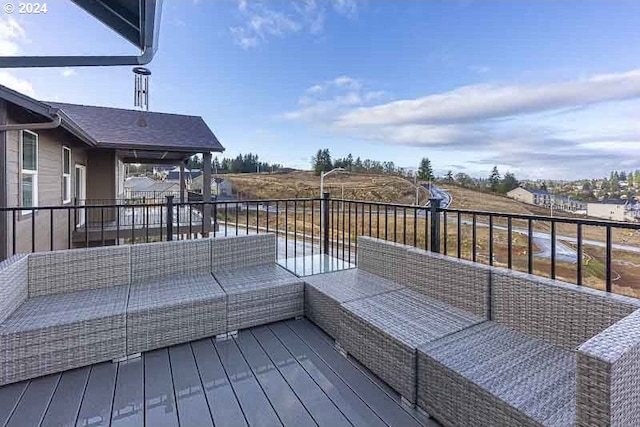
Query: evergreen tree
point(425, 171)
point(494, 179)
point(449, 176)
point(322, 161)
point(508, 183)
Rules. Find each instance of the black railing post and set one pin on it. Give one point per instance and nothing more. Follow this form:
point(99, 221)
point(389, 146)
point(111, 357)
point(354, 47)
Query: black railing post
point(435, 225)
point(325, 222)
point(169, 218)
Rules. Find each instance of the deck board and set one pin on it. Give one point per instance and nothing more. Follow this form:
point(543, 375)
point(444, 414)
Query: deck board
point(192, 403)
point(9, 398)
point(338, 391)
point(159, 398)
point(285, 402)
point(223, 403)
point(95, 410)
point(287, 373)
point(34, 402)
point(128, 400)
point(373, 395)
point(65, 404)
point(321, 408)
point(255, 406)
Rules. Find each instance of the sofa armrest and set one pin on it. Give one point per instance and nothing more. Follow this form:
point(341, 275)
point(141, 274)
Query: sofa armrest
point(14, 280)
point(608, 376)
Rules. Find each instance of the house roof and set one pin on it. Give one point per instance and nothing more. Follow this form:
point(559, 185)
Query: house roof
point(174, 175)
point(119, 128)
point(538, 191)
point(131, 131)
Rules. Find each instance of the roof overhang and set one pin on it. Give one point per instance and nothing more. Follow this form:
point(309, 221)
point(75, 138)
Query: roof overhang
point(138, 21)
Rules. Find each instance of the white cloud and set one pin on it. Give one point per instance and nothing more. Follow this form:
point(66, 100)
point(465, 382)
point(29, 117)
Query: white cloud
point(482, 102)
point(11, 34)
point(21, 85)
point(324, 101)
point(263, 21)
point(347, 8)
point(67, 72)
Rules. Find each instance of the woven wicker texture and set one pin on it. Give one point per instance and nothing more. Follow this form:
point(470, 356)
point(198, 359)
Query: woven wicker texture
point(383, 332)
point(54, 333)
point(323, 294)
point(459, 283)
point(237, 252)
point(157, 261)
point(77, 270)
point(608, 385)
point(562, 314)
point(173, 311)
point(260, 294)
point(13, 284)
point(490, 375)
point(383, 258)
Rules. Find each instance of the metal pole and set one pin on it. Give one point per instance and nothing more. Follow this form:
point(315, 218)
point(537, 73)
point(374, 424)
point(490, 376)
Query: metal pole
point(325, 221)
point(435, 225)
point(169, 218)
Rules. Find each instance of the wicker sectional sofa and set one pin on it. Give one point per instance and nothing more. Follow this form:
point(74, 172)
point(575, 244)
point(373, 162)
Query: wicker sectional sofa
point(66, 309)
point(480, 346)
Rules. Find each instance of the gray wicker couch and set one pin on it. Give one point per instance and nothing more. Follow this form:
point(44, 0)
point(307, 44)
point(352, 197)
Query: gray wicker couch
point(380, 314)
point(553, 355)
point(494, 347)
point(258, 290)
point(66, 309)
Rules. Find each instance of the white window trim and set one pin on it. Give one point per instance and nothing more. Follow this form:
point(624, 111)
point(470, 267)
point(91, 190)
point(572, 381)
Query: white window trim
point(66, 186)
point(33, 173)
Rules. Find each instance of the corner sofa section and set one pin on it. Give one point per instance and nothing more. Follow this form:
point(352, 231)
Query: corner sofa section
point(66, 309)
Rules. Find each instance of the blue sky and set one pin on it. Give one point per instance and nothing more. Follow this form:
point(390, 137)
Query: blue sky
point(546, 89)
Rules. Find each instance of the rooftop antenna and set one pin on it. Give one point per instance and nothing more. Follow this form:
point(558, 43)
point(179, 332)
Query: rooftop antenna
point(141, 92)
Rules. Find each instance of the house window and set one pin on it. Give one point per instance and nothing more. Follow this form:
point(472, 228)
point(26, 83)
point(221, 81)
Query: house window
point(29, 168)
point(66, 175)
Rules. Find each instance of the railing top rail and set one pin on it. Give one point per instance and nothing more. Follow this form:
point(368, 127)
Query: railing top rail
point(558, 219)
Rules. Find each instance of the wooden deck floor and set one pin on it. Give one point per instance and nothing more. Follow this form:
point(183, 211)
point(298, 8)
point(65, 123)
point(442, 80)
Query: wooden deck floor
point(284, 374)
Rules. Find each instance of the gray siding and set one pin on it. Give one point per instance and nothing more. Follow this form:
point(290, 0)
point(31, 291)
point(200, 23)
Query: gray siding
point(50, 188)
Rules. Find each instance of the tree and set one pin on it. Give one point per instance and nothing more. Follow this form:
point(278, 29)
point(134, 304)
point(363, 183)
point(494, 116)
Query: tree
point(425, 171)
point(449, 176)
point(464, 180)
point(322, 161)
point(508, 183)
point(494, 179)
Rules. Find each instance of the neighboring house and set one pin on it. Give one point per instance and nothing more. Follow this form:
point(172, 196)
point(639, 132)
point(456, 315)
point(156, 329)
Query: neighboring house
point(137, 187)
point(219, 186)
point(614, 210)
point(531, 196)
point(191, 174)
point(568, 204)
point(80, 157)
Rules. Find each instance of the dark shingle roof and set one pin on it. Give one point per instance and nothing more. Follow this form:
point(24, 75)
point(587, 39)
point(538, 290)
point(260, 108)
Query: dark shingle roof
point(116, 127)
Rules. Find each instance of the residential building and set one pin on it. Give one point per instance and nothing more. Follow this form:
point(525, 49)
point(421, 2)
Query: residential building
point(219, 186)
point(56, 154)
point(535, 196)
point(615, 210)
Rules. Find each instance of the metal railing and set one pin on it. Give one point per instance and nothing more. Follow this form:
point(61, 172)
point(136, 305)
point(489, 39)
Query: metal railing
point(595, 253)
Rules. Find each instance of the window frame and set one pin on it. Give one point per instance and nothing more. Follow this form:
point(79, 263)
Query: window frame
point(66, 185)
point(31, 172)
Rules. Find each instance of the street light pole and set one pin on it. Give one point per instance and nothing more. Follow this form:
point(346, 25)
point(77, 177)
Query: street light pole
point(322, 198)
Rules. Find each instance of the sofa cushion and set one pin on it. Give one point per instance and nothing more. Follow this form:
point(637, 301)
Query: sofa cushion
point(260, 294)
point(383, 332)
point(560, 313)
point(500, 373)
point(53, 333)
point(78, 270)
point(323, 294)
point(174, 310)
point(236, 252)
point(457, 282)
point(13, 284)
point(157, 261)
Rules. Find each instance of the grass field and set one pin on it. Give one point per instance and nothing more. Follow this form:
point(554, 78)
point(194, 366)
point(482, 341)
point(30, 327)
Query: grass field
point(626, 265)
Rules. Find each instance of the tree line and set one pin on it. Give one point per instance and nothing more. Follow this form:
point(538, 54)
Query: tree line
point(495, 182)
point(242, 163)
